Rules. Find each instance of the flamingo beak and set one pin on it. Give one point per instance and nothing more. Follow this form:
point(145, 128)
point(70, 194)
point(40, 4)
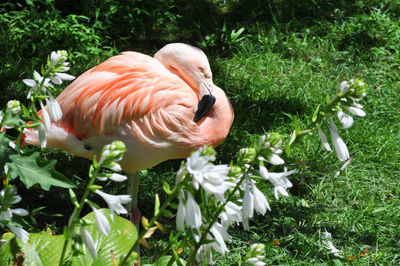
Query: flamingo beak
point(207, 100)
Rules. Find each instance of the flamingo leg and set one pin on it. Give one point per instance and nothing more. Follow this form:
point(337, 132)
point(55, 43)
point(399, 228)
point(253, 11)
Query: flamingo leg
point(134, 212)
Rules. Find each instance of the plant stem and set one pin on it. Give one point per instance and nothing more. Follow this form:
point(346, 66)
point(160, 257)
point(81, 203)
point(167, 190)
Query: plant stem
point(77, 211)
point(171, 196)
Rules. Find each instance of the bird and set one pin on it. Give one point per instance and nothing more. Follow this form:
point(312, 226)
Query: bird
point(162, 107)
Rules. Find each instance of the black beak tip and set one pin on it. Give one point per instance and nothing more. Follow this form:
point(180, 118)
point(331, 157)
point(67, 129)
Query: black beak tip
point(205, 105)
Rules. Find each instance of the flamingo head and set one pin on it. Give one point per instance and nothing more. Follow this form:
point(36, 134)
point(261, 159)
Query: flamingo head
point(191, 65)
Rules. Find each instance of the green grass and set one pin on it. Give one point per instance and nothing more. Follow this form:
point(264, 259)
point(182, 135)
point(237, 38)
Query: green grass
point(289, 58)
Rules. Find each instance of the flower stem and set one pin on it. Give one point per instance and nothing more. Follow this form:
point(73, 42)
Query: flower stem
point(171, 196)
point(76, 212)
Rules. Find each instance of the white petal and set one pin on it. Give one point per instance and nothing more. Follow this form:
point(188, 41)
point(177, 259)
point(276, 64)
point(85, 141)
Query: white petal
point(46, 118)
point(29, 82)
point(248, 202)
point(260, 202)
point(56, 80)
point(20, 212)
point(42, 136)
point(117, 177)
point(192, 212)
point(276, 160)
point(88, 241)
point(345, 119)
point(102, 223)
point(37, 76)
point(65, 76)
point(324, 140)
point(340, 147)
point(20, 233)
point(264, 172)
point(356, 111)
point(54, 58)
point(180, 216)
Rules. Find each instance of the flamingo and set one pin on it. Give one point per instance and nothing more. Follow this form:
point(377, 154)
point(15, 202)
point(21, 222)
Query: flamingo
point(161, 107)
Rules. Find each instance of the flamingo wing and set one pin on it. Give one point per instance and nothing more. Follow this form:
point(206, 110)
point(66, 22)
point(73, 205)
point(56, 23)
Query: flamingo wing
point(129, 89)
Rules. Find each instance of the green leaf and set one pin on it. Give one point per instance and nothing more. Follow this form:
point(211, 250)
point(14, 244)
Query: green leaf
point(74, 200)
point(109, 248)
point(167, 188)
point(157, 205)
point(315, 114)
point(9, 250)
point(45, 249)
point(41, 249)
point(31, 170)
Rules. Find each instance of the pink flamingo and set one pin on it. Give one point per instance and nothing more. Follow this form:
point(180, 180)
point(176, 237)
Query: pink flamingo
point(162, 108)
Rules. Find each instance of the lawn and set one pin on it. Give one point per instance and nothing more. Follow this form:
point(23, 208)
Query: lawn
point(276, 61)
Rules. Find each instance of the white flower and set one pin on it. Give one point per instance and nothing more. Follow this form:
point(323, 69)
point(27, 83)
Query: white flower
point(192, 212)
point(248, 205)
point(54, 109)
point(88, 241)
point(115, 202)
point(255, 255)
point(260, 202)
point(34, 83)
point(220, 235)
point(355, 109)
point(46, 118)
point(19, 212)
point(54, 58)
point(1, 116)
point(232, 214)
point(102, 223)
point(326, 237)
point(56, 80)
point(280, 182)
point(276, 160)
point(324, 140)
point(114, 177)
point(343, 87)
point(197, 165)
point(340, 147)
point(64, 76)
point(42, 136)
point(345, 119)
point(180, 215)
point(211, 177)
point(14, 106)
point(20, 233)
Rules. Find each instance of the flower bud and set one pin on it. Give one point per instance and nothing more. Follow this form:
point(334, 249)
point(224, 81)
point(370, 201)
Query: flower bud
point(246, 155)
point(14, 106)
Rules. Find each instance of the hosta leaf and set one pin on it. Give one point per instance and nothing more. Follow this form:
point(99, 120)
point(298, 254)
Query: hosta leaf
point(31, 170)
point(41, 249)
point(46, 249)
point(111, 248)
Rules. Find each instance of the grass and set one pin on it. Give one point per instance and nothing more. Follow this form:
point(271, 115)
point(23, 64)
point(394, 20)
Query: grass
point(285, 64)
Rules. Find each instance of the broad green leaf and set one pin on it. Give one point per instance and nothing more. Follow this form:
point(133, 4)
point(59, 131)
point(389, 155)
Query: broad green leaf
point(9, 250)
point(109, 248)
point(41, 249)
point(31, 170)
